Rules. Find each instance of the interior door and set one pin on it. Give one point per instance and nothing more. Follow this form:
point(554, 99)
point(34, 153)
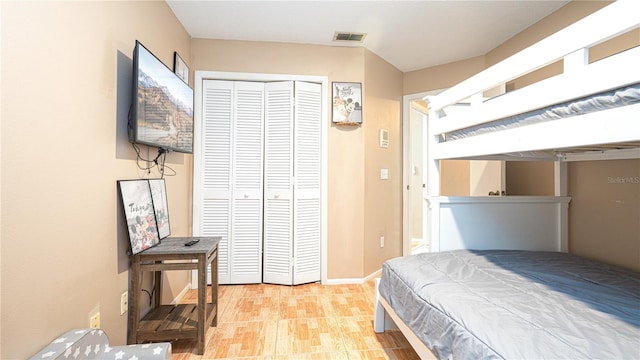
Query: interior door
point(215, 165)
point(278, 183)
point(307, 173)
point(231, 177)
point(247, 181)
point(417, 185)
point(292, 183)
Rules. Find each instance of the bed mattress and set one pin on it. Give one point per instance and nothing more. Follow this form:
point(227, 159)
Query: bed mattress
point(501, 304)
point(627, 95)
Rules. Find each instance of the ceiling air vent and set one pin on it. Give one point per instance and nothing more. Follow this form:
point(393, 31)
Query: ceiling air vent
point(351, 37)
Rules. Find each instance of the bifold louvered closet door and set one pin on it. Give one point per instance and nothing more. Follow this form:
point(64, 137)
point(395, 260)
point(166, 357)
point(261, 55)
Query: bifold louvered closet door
point(261, 178)
point(232, 144)
point(293, 117)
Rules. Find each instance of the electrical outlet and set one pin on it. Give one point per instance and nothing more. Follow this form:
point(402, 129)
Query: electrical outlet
point(124, 302)
point(381, 241)
point(94, 321)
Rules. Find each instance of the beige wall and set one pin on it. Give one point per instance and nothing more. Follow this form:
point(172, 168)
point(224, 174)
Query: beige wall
point(604, 214)
point(486, 177)
point(455, 178)
point(353, 160)
point(382, 198)
point(66, 70)
point(530, 178)
point(613, 46)
point(441, 76)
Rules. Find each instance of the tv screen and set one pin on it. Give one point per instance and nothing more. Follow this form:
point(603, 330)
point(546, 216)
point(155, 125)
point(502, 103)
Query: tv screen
point(162, 105)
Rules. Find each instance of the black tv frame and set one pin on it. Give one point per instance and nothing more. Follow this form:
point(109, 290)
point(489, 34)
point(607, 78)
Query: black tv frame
point(161, 105)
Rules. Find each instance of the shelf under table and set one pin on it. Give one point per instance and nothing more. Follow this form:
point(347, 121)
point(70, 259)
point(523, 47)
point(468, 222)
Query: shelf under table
point(169, 322)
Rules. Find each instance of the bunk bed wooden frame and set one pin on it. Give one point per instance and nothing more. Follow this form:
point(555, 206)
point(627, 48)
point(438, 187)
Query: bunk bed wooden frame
point(606, 134)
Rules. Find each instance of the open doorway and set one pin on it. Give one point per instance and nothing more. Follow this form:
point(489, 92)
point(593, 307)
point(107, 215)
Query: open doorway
point(415, 176)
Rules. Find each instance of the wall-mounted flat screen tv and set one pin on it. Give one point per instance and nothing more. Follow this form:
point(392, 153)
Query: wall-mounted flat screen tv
point(162, 105)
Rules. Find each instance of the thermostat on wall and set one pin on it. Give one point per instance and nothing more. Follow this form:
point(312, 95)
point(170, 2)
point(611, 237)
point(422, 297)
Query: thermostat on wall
point(384, 138)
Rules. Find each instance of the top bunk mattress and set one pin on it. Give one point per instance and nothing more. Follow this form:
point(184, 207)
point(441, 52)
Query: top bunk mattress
point(627, 95)
point(501, 304)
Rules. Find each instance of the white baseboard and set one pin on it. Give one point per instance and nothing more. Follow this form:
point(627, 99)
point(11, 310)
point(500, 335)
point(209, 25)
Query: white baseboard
point(182, 293)
point(353, 280)
point(373, 275)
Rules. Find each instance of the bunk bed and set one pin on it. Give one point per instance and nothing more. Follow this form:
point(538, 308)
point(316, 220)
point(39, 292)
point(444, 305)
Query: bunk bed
point(590, 111)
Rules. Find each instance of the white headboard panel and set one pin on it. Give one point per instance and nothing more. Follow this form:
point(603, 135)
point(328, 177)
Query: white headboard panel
point(499, 222)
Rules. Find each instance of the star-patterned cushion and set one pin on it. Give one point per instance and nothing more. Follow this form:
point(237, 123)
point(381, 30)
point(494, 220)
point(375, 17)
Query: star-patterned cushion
point(93, 344)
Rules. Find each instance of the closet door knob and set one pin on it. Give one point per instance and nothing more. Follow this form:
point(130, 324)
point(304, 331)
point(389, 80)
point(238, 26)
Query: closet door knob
point(246, 196)
point(277, 195)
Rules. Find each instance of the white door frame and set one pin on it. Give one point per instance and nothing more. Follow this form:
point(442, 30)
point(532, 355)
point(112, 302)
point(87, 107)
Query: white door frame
point(406, 167)
point(200, 76)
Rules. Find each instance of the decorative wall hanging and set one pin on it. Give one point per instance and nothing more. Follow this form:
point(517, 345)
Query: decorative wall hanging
point(347, 103)
point(180, 68)
point(139, 214)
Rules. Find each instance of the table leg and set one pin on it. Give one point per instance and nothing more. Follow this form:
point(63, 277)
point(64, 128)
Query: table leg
point(202, 301)
point(214, 288)
point(158, 286)
point(134, 293)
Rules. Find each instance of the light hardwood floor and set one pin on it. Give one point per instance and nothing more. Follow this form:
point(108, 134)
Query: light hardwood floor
point(310, 321)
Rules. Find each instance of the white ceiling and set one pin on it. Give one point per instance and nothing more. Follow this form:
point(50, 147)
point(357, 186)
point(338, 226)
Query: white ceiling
point(410, 35)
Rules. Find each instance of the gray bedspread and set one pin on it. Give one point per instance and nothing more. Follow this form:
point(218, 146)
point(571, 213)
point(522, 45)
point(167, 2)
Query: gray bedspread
point(627, 95)
point(500, 304)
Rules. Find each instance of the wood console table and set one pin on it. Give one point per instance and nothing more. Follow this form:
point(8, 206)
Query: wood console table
point(181, 321)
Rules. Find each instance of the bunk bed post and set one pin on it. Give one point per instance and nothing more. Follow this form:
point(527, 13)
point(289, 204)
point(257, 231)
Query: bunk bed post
point(379, 311)
point(433, 219)
point(433, 169)
point(560, 189)
point(576, 60)
point(560, 174)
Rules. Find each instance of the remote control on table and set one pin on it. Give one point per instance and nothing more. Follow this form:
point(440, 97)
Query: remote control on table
point(192, 242)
